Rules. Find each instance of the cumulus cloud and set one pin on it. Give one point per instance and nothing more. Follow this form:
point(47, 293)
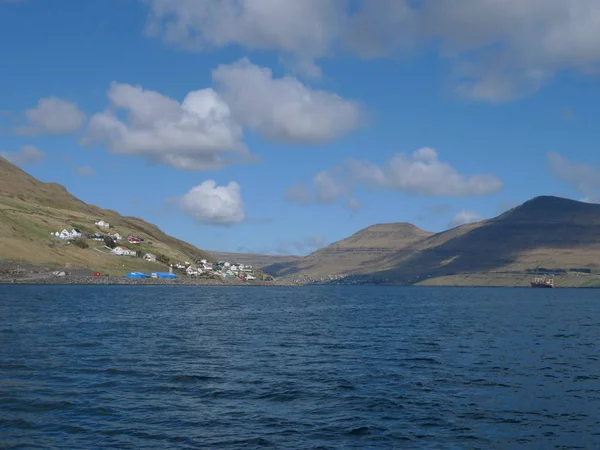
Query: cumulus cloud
point(196, 134)
point(498, 50)
point(210, 204)
point(28, 154)
point(584, 178)
point(205, 130)
point(464, 217)
point(86, 171)
point(52, 115)
point(303, 29)
point(421, 173)
point(284, 109)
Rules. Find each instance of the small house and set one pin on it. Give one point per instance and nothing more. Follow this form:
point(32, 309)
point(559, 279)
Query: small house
point(123, 251)
point(67, 235)
point(102, 224)
point(150, 257)
point(116, 237)
point(191, 271)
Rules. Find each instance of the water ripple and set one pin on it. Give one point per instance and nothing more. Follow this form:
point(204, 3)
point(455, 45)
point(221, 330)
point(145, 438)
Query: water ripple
point(306, 368)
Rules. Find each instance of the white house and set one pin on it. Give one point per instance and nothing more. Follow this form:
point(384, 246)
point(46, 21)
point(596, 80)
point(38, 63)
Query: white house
point(123, 251)
point(150, 257)
point(191, 271)
point(66, 234)
point(116, 237)
point(102, 223)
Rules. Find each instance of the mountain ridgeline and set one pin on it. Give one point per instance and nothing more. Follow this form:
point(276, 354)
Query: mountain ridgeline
point(545, 233)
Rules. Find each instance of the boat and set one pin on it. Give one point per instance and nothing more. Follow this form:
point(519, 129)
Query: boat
point(542, 282)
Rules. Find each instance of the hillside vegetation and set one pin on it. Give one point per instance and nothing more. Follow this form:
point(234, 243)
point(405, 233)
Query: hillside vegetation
point(31, 210)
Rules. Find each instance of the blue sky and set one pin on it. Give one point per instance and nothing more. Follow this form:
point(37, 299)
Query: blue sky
point(278, 127)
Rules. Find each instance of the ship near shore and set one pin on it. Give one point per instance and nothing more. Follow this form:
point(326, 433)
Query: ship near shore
point(542, 282)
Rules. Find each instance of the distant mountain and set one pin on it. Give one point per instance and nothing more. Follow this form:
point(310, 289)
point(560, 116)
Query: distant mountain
point(31, 210)
point(363, 252)
point(544, 233)
point(254, 259)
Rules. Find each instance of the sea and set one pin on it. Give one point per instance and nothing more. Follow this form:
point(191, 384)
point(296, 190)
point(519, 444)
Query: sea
point(316, 367)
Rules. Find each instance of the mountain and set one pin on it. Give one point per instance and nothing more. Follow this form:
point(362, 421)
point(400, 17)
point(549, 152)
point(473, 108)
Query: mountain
point(361, 253)
point(543, 233)
point(254, 259)
point(31, 210)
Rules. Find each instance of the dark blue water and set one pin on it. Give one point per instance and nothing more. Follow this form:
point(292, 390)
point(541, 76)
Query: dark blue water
point(317, 367)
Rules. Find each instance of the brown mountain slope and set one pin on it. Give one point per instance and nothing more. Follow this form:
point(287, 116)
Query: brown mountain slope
point(545, 232)
point(362, 252)
point(30, 210)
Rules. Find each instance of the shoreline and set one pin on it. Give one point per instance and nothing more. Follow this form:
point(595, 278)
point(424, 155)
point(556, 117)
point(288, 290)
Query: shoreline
point(122, 281)
point(12, 272)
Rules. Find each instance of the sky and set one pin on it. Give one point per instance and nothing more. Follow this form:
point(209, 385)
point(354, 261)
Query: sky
point(280, 126)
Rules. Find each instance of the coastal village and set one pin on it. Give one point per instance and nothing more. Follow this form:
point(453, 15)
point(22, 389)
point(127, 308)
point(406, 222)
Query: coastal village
point(134, 246)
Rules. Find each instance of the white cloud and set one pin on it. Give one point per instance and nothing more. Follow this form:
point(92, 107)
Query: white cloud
point(214, 205)
point(28, 154)
point(284, 109)
point(205, 130)
point(52, 115)
point(303, 29)
point(498, 49)
point(583, 177)
point(464, 217)
point(421, 173)
point(196, 134)
point(86, 171)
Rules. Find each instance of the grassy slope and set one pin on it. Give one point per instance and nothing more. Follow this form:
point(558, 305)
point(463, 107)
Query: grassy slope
point(30, 210)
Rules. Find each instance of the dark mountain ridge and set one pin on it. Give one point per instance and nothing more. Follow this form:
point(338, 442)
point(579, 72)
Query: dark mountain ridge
point(545, 231)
